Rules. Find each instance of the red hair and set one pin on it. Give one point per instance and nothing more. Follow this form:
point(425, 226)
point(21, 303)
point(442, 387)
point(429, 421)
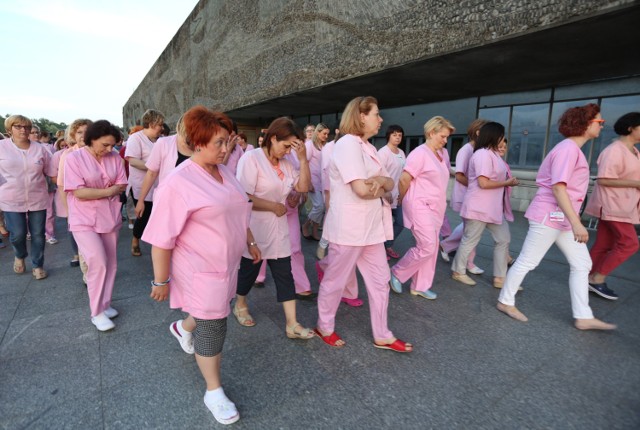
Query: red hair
point(201, 124)
point(575, 120)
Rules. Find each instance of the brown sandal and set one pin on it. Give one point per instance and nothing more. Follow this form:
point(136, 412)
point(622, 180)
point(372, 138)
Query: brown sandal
point(135, 251)
point(18, 265)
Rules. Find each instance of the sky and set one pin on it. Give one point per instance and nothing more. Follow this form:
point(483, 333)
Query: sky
point(68, 59)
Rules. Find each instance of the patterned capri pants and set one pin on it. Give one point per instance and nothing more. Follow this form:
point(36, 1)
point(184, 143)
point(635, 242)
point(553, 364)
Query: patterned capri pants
point(209, 336)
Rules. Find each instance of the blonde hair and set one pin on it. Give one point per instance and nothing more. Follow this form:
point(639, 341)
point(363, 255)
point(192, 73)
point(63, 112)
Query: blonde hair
point(320, 127)
point(73, 128)
point(152, 117)
point(350, 122)
point(16, 119)
point(436, 124)
point(180, 129)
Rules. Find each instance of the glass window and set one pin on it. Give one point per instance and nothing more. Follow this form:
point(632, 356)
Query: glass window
point(527, 135)
point(612, 108)
point(456, 142)
point(556, 112)
point(414, 142)
point(500, 115)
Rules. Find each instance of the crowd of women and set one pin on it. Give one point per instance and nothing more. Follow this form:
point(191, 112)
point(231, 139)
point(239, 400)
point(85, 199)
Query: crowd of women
point(218, 211)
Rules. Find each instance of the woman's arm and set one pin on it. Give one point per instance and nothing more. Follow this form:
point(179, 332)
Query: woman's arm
point(161, 259)
point(403, 185)
point(562, 197)
point(618, 183)
point(137, 163)
point(98, 193)
point(253, 249)
point(461, 178)
point(267, 205)
point(304, 181)
point(487, 184)
point(372, 188)
point(149, 178)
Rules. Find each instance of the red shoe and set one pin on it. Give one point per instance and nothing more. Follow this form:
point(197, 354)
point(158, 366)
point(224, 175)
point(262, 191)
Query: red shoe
point(354, 303)
point(392, 253)
point(329, 339)
point(320, 272)
point(397, 346)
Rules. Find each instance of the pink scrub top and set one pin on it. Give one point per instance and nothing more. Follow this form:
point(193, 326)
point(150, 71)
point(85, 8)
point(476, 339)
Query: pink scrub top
point(427, 193)
point(24, 170)
point(139, 146)
point(2, 180)
point(259, 178)
point(394, 163)
point(83, 170)
point(613, 203)
point(204, 222)
point(462, 164)
point(486, 205)
point(164, 156)
point(327, 150)
point(314, 155)
point(61, 205)
point(351, 220)
point(234, 158)
point(565, 163)
point(62, 210)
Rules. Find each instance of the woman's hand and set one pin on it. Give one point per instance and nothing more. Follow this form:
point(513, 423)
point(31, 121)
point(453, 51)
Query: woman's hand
point(580, 233)
point(279, 209)
point(293, 199)
point(388, 197)
point(376, 185)
point(231, 143)
point(512, 182)
point(160, 294)
point(139, 210)
point(255, 253)
point(300, 149)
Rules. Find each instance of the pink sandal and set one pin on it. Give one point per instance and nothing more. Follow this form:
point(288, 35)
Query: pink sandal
point(354, 303)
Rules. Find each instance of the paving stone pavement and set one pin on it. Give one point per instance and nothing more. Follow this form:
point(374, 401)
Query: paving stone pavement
point(472, 367)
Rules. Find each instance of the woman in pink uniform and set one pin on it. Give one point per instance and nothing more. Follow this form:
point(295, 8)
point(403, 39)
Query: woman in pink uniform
point(268, 179)
point(485, 206)
point(616, 201)
point(199, 229)
point(94, 178)
point(423, 195)
point(310, 229)
point(24, 197)
point(357, 225)
point(562, 181)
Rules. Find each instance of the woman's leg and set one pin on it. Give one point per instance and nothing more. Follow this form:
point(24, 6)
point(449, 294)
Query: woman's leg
point(502, 237)
point(419, 261)
point(470, 238)
point(247, 274)
point(36, 221)
point(17, 225)
point(300, 278)
point(579, 260)
point(110, 243)
point(620, 242)
point(452, 242)
point(398, 225)
point(50, 225)
point(94, 251)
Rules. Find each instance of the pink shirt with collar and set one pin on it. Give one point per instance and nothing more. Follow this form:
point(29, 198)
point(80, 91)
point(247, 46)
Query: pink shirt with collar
point(259, 178)
point(164, 156)
point(83, 170)
point(205, 223)
point(486, 205)
point(462, 164)
point(427, 193)
point(139, 146)
point(314, 155)
point(25, 171)
point(565, 163)
point(234, 158)
point(394, 163)
point(612, 203)
point(352, 220)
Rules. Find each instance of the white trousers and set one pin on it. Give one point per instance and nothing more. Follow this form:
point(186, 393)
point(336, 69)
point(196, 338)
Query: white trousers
point(538, 241)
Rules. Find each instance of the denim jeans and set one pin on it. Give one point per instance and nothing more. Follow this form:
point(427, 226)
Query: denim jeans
point(17, 226)
point(398, 225)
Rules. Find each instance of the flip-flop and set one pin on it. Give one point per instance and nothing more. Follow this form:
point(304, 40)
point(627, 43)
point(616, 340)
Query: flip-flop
point(330, 339)
point(397, 346)
point(354, 303)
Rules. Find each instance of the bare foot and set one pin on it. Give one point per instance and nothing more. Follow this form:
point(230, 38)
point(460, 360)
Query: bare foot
point(593, 324)
point(512, 311)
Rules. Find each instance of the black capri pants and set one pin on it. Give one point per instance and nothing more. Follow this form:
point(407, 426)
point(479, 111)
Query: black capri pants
point(208, 337)
point(280, 270)
point(141, 223)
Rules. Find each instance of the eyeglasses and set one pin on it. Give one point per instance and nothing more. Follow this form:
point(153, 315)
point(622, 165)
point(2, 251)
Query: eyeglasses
point(599, 121)
point(23, 127)
point(35, 132)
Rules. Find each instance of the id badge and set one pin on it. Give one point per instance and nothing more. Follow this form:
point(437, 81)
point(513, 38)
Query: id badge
point(557, 216)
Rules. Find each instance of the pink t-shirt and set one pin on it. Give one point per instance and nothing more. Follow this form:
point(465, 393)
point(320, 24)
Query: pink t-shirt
point(2, 180)
point(565, 163)
point(61, 204)
point(62, 210)
point(314, 155)
point(327, 150)
point(486, 205)
point(427, 193)
point(24, 171)
point(83, 170)
point(352, 220)
point(462, 164)
point(613, 203)
point(205, 223)
point(394, 163)
point(139, 146)
point(163, 157)
point(260, 178)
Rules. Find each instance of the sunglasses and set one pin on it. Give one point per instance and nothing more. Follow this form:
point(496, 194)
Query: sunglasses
point(599, 121)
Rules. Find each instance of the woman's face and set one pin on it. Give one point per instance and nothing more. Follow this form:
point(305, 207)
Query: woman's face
point(635, 134)
point(280, 148)
point(79, 135)
point(595, 127)
point(323, 135)
point(371, 122)
point(439, 138)
point(260, 139)
point(214, 151)
point(155, 130)
point(20, 131)
point(502, 147)
point(103, 145)
point(395, 138)
point(309, 132)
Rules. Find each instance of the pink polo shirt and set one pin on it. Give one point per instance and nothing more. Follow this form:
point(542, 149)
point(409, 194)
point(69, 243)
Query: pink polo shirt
point(163, 157)
point(327, 150)
point(139, 146)
point(351, 220)
point(83, 170)
point(25, 171)
point(462, 164)
point(565, 163)
point(205, 223)
point(427, 193)
point(314, 155)
point(612, 203)
point(486, 205)
point(259, 178)
point(394, 163)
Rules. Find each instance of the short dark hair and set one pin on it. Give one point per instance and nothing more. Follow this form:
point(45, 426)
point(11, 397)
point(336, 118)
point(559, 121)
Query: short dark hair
point(100, 129)
point(394, 128)
point(626, 122)
point(490, 136)
point(575, 121)
point(281, 128)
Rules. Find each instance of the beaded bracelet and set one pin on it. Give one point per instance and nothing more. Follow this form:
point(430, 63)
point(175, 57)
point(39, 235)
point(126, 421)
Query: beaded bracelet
point(160, 284)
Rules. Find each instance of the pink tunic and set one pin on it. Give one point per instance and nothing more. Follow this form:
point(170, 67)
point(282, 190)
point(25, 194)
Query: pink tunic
point(565, 163)
point(163, 157)
point(486, 205)
point(139, 146)
point(232, 161)
point(259, 178)
point(394, 163)
point(205, 223)
point(314, 155)
point(462, 164)
point(427, 193)
point(83, 170)
point(612, 203)
point(62, 210)
point(352, 220)
point(60, 204)
point(327, 150)
point(24, 171)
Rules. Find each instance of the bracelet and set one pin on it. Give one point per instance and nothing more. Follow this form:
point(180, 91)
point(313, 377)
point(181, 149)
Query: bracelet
point(160, 284)
point(253, 244)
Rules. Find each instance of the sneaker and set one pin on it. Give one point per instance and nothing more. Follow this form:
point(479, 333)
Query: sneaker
point(186, 341)
point(130, 226)
point(223, 410)
point(111, 313)
point(52, 241)
point(321, 252)
point(603, 291)
point(464, 278)
point(475, 270)
point(426, 294)
point(102, 322)
point(395, 284)
point(444, 256)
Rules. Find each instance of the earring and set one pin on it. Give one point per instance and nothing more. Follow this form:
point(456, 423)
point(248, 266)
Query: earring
point(198, 150)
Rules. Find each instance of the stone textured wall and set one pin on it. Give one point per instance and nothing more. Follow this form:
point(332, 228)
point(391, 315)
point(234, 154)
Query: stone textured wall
point(234, 53)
